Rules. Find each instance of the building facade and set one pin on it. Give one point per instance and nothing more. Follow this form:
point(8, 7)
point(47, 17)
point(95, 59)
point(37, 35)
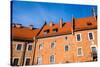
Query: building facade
point(64, 42)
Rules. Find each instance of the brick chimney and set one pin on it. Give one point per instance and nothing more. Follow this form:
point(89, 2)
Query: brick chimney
point(61, 22)
point(31, 26)
point(18, 25)
point(13, 24)
point(51, 24)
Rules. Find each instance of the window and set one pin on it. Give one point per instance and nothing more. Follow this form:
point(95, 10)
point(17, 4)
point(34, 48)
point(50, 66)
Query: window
point(79, 51)
point(66, 37)
point(52, 59)
point(66, 47)
point(46, 31)
point(29, 47)
point(19, 46)
point(27, 61)
point(90, 36)
point(55, 30)
point(78, 37)
point(40, 46)
point(15, 63)
point(53, 45)
point(89, 23)
point(39, 60)
point(94, 49)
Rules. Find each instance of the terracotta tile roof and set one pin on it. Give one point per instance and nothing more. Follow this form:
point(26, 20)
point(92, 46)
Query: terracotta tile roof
point(79, 24)
point(24, 33)
point(85, 23)
point(65, 29)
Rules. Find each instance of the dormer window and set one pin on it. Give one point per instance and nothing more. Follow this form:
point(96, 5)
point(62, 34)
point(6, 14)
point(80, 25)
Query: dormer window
point(89, 23)
point(55, 30)
point(46, 31)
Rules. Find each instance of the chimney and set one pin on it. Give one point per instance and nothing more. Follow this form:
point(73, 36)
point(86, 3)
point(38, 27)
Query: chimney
point(61, 22)
point(13, 24)
point(18, 25)
point(93, 12)
point(73, 24)
point(51, 24)
point(30, 26)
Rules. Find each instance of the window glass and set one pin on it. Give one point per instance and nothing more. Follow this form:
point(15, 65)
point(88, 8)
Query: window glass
point(78, 37)
point(90, 36)
point(66, 47)
point(27, 61)
point(29, 47)
point(52, 59)
point(52, 45)
point(39, 60)
point(40, 46)
point(15, 63)
point(19, 46)
point(79, 51)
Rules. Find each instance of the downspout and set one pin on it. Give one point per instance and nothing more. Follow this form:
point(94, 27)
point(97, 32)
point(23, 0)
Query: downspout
point(24, 52)
point(34, 51)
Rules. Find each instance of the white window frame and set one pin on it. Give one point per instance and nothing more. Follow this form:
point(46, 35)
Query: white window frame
point(18, 61)
point(25, 60)
point(28, 46)
point(39, 60)
point(21, 47)
point(64, 48)
point(92, 35)
point(50, 59)
point(54, 44)
point(80, 37)
point(81, 51)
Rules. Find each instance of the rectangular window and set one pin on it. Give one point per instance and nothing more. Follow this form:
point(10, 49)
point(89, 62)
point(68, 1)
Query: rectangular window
point(40, 46)
point(66, 47)
point(52, 45)
point(55, 30)
point(15, 63)
point(27, 61)
point(39, 60)
point(19, 46)
point(78, 37)
point(52, 59)
point(29, 47)
point(46, 31)
point(79, 51)
point(90, 36)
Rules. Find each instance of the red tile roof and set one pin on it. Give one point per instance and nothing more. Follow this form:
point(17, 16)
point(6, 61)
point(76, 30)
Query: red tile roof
point(79, 24)
point(24, 33)
point(85, 23)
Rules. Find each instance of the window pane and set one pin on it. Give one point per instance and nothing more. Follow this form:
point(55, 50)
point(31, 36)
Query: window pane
point(79, 51)
point(27, 61)
point(78, 37)
point(93, 49)
point(19, 46)
point(52, 59)
point(55, 30)
point(40, 46)
point(90, 36)
point(66, 48)
point(15, 62)
point(39, 60)
point(29, 47)
point(52, 45)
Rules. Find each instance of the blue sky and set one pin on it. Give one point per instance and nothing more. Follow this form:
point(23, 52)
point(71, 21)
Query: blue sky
point(37, 13)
